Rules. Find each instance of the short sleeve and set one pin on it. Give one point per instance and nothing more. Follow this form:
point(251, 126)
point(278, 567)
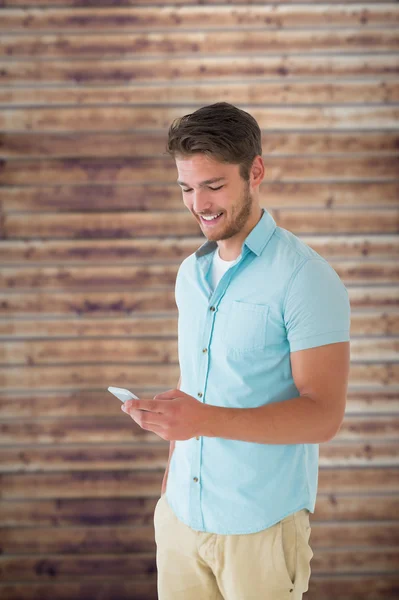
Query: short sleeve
point(317, 307)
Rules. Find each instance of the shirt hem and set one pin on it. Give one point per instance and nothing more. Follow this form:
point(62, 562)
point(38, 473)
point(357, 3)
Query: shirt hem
point(256, 529)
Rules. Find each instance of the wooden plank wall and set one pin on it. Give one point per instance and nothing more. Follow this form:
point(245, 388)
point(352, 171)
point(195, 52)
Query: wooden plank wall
point(94, 228)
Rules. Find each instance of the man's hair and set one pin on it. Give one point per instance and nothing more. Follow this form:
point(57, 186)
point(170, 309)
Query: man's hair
point(222, 131)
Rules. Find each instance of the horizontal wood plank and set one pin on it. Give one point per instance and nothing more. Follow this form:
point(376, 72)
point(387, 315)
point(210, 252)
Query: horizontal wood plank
point(184, 224)
point(160, 276)
point(138, 510)
point(155, 329)
point(115, 71)
point(360, 92)
point(106, 118)
point(369, 453)
point(125, 45)
point(344, 587)
point(140, 144)
point(124, 303)
point(379, 449)
point(63, 567)
point(93, 197)
point(119, 428)
point(375, 349)
point(161, 251)
point(141, 350)
point(128, 483)
point(163, 3)
point(119, 539)
point(149, 302)
point(198, 17)
point(94, 375)
point(151, 351)
point(158, 3)
point(90, 403)
point(112, 277)
point(101, 376)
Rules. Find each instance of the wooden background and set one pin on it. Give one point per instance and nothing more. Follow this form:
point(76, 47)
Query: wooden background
point(94, 228)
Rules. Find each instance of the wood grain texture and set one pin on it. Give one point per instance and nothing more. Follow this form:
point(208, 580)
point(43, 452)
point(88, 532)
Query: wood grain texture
point(127, 483)
point(107, 119)
point(184, 17)
point(132, 302)
point(174, 250)
point(78, 511)
point(117, 429)
point(347, 450)
point(59, 404)
point(217, 68)
point(133, 563)
point(81, 225)
point(159, 276)
point(202, 43)
point(355, 587)
point(154, 350)
point(161, 3)
point(377, 90)
point(93, 229)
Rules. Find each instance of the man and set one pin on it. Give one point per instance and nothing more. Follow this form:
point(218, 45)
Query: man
point(263, 344)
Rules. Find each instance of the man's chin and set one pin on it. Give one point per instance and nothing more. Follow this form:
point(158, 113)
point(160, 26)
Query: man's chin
point(211, 237)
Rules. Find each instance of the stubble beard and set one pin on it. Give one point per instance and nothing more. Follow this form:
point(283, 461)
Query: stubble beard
point(239, 220)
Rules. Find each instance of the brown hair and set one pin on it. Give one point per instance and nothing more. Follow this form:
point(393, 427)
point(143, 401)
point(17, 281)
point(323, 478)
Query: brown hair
point(222, 131)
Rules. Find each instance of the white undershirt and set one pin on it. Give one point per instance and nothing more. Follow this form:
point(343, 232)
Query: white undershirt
point(220, 266)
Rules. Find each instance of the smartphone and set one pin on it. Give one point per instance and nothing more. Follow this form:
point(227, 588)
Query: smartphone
point(122, 394)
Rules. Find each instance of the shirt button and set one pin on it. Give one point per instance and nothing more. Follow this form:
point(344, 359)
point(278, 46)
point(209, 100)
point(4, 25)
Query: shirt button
point(205, 350)
point(195, 479)
point(212, 309)
point(197, 438)
point(199, 394)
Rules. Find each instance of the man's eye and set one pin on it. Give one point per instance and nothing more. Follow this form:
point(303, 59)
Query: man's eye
point(211, 188)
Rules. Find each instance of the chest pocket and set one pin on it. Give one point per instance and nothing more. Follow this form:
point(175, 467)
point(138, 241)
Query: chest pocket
point(246, 327)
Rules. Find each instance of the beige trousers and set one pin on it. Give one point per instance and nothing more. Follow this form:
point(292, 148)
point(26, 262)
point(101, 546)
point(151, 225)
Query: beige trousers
point(272, 564)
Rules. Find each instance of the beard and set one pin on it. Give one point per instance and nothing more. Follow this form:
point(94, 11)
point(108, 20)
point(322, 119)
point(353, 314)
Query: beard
point(234, 223)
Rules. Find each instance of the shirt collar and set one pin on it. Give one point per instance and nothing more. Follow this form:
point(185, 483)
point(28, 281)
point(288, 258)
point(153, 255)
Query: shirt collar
point(256, 240)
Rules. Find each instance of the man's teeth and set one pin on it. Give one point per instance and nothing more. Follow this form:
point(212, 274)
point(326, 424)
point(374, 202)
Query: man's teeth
point(210, 218)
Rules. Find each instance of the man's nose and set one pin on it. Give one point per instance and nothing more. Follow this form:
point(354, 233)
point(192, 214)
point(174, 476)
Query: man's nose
point(201, 201)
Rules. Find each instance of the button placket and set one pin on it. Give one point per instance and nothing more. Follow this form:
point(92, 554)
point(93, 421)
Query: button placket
point(203, 372)
point(211, 299)
point(215, 297)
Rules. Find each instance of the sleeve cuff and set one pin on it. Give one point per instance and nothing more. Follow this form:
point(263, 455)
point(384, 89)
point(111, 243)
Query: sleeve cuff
point(320, 339)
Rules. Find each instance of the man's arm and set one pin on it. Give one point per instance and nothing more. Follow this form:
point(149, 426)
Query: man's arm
point(171, 448)
point(321, 376)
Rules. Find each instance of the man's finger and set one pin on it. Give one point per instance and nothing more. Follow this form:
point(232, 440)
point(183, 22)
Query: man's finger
point(167, 394)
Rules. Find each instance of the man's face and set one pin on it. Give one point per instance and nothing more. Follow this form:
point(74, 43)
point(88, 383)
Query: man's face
point(233, 199)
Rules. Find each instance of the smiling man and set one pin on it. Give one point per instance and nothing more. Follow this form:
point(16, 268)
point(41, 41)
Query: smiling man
point(263, 344)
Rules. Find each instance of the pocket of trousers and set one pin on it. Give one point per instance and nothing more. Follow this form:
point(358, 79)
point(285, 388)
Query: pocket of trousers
point(295, 550)
point(288, 549)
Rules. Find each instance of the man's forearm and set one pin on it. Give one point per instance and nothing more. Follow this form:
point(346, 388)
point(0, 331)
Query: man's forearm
point(298, 420)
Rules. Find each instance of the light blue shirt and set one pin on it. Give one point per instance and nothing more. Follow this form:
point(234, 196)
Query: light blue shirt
point(234, 347)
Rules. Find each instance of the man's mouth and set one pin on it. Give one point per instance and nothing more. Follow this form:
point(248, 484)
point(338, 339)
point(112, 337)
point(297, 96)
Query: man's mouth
point(210, 220)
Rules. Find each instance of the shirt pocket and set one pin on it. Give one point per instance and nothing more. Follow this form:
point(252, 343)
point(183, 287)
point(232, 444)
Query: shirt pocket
point(246, 327)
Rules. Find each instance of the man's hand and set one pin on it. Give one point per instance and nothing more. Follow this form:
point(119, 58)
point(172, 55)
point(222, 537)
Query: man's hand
point(173, 415)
